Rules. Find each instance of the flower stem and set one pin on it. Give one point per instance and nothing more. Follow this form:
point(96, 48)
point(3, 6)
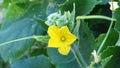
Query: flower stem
point(108, 32)
point(80, 56)
point(77, 58)
point(95, 17)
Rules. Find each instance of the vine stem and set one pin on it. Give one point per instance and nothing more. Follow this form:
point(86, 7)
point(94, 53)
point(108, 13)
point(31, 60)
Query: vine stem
point(20, 39)
point(108, 32)
point(95, 17)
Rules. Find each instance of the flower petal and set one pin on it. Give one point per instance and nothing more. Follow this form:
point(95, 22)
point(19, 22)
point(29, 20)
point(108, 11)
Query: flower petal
point(70, 38)
point(63, 30)
point(64, 49)
point(52, 31)
point(53, 43)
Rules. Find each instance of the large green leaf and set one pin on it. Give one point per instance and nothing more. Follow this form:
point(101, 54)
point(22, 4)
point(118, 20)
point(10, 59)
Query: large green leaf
point(34, 62)
point(86, 42)
point(62, 61)
point(83, 7)
point(113, 51)
point(20, 29)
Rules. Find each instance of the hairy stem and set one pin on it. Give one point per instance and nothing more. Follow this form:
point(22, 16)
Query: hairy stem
point(16, 40)
point(95, 17)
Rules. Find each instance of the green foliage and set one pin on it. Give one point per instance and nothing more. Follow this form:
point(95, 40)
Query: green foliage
point(24, 39)
point(34, 62)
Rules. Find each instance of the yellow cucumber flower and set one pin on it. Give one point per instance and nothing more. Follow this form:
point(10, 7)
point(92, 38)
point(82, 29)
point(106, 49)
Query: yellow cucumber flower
point(61, 38)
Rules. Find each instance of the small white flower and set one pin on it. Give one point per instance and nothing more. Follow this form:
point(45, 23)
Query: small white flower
point(115, 5)
point(96, 57)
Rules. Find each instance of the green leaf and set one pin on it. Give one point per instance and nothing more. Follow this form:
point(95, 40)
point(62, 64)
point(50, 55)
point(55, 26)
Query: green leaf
point(116, 15)
point(20, 29)
point(36, 9)
point(105, 61)
point(115, 52)
point(86, 42)
point(34, 62)
point(41, 22)
point(62, 61)
point(105, 1)
point(72, 64)
point(38, 51)
point(15, 13)
point(24, 10)
point(4, 3)
point(57, 58)
point(109, 42)
point(83, 7)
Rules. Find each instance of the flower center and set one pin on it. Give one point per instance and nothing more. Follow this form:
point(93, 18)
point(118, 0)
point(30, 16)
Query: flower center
point(63, 38)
